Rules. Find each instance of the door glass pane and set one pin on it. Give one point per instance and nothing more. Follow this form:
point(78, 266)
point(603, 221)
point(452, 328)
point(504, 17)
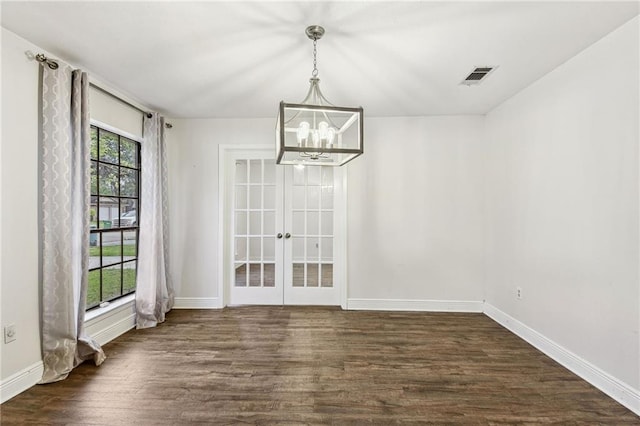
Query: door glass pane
point(269, 275)
point(298, 223)
point(326, 226)
point(313, 197)
point(241, 171)
point(270, 197)
point(313, 175)
point(327, 275)
point(298, 274)
point(269, 249)
point(298, 175)
point(312, 275)
point(241, 197)
point(269, 223)
point(255, 223)
point(255, 197)
point(241, 223)
point(255, 274)
point(327, 197)
point(298, 197)
point(297, 250)
point(241, 275)
point(312, 248)
point(313, 227)
point(327, 176)
point(255, 171)
point(255, 249)
point(327, 249)
point(241, 249)
point(269, 171)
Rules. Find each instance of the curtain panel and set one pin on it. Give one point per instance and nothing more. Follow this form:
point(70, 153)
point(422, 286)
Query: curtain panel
point(154, 289)
point(65, 198)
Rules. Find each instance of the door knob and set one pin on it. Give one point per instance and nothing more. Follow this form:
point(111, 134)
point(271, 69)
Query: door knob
point(287, 235)
point(279, 235)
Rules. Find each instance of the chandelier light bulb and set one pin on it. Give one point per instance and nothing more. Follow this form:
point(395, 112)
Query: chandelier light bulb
point(331, 135)
point(303, 132)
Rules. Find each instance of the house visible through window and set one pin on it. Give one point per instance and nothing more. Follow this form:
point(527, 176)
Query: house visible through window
point(113, 240)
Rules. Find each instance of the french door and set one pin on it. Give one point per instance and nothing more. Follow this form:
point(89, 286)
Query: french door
point(284, 239)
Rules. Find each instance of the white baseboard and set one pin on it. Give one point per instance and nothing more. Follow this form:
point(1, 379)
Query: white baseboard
point(21, 381)
point(620, 391)
point(197, 303)
point(415, 305)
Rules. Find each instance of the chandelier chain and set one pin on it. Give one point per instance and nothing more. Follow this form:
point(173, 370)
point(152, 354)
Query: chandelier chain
point(315, 62)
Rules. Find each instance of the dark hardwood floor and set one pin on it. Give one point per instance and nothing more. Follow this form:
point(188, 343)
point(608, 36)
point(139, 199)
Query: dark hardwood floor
point(310, 365)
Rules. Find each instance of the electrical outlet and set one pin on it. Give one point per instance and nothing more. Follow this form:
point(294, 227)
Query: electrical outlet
point(519, 293)
point(10, 333)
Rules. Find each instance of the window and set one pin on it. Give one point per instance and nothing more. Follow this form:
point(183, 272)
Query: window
point(113, 238)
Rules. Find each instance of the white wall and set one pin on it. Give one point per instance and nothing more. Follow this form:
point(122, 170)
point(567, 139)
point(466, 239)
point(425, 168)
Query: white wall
point(19, 181)
point(562, 205)
point(415, 226)
point(415, 210)
point(19, 280)
point(192, 151)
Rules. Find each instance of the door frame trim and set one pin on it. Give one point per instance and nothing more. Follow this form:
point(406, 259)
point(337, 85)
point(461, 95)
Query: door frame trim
point(224, 223)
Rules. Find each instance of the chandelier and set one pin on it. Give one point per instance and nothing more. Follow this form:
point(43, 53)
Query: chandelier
point(314, 131)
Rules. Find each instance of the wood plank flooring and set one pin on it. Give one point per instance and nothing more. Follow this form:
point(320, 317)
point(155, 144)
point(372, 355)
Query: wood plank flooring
point(314, 365)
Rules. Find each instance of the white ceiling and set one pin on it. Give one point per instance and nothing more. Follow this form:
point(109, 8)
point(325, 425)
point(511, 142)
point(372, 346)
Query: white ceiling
point(240, 59)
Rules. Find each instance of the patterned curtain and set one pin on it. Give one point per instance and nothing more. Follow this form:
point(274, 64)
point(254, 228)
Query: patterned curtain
point(154, 291)
point(65, 222)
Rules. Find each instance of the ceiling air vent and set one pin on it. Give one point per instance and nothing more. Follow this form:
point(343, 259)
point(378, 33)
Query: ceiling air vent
point(477, 75)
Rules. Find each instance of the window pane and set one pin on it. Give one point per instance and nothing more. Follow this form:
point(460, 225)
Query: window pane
point(327, 275)
point(269, 275)
point(111, 282)
point(129, 245)
point(111, 248)
point(129, 277)
point(313, 197)
point(94, 250)
point(94, 178)
point(93, 290)
point(108, 212)
point(108, 147)
point(270, 197)
point(241, 197)
point(93, 213)
point(128, 153)
point(128, 183)
point(108, 179)
point(128, 214)
point(94, 143)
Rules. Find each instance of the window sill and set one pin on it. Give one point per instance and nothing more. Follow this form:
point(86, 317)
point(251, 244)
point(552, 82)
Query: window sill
point(98, 312)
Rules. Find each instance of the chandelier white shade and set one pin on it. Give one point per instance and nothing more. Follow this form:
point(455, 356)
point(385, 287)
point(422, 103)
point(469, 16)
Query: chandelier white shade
point(314, 131)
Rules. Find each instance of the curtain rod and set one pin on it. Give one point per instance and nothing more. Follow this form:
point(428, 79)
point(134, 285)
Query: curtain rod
point(54, 66)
